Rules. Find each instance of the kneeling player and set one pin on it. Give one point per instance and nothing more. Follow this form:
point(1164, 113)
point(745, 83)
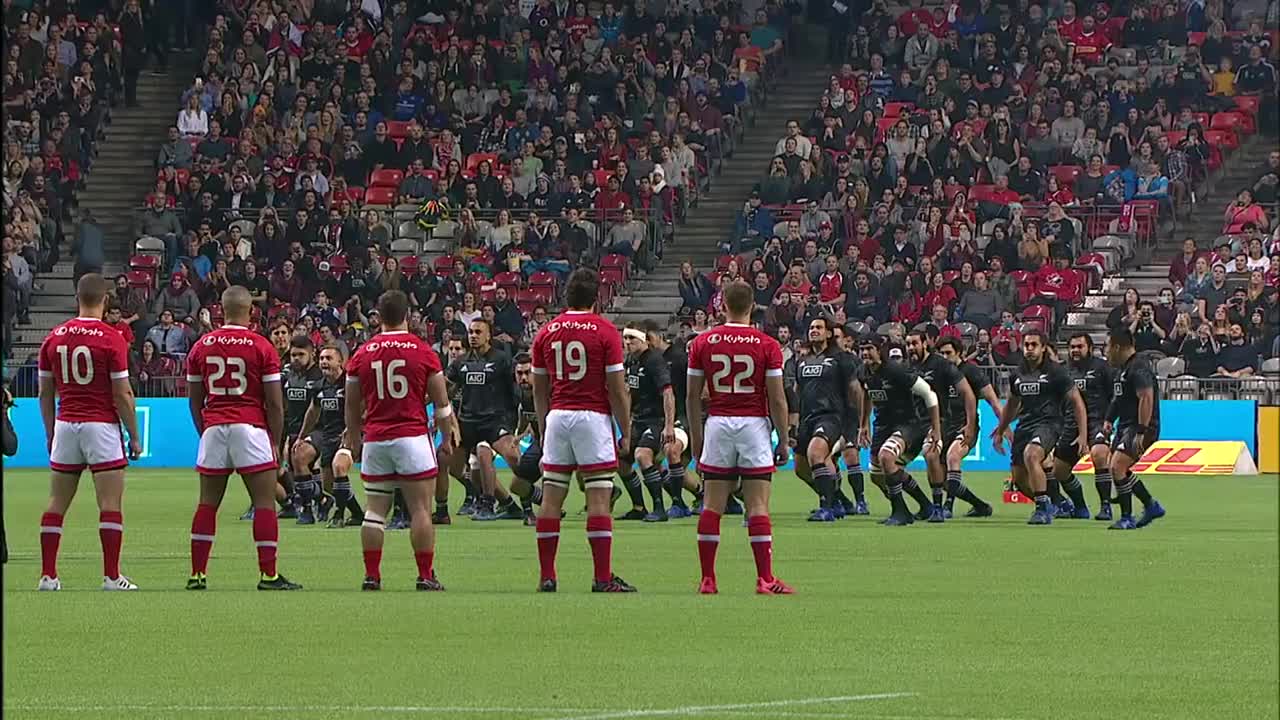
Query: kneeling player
point(1093, 379)
point(322, 436)
point(906, 411)
point(1136, 409)
point(741, 368)
point(528, 469)
point(653, 414)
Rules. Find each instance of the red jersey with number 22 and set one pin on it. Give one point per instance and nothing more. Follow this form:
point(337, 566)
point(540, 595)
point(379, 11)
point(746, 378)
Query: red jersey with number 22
point(84, 356)
point(735, 359)
point(392, 369)
point(575, 351)
point(233, 363)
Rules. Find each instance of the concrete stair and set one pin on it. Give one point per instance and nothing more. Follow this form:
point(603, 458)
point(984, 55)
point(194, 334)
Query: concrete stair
point(656, 296)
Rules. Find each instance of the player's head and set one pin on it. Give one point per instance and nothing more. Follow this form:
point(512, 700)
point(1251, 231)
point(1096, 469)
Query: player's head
point(237, 305)
point(653, 334)
point(1120, 346)
point(918, 345)
point(848, 338)
point(455, 349)
point(480, 335)
point(393, 306)
point(301, 352)
point(819, 332)
point(1033, 347)
point(950, 349)
point(280, 334)
point(636, 340)
point(331, 361)
point(91, 295)
point(869, 348)
point(581, 291)
point(1080, 346)
point(524, 369)
point(739, 300)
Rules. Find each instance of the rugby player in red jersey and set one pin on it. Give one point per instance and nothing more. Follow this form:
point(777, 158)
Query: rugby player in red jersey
point(233, 386)
point(390, 380)
point(578, 382)
point(84, 362)
point(741, 369)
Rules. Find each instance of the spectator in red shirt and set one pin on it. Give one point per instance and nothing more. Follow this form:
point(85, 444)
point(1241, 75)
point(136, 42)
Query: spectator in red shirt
point(114, 319)
point(796, 282)
point(940, 293)
point(831, 284)
point(1001, 194)
point(1089, 43)
point(938, 318)
point(1005, 338)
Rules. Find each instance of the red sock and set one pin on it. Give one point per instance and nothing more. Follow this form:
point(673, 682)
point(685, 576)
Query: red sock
point(548, 533)
point(266, 535)
point(424, 558)
point(373, 564)
point(708, 541)
point(50, 538)
point(111, 533)
point(760, 530)
point(203, 527)
point(600, 537)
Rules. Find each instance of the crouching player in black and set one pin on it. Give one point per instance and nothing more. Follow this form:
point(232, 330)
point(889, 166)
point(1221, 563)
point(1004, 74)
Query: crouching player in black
point(1038, 393)
point(959, 410)
point(1093, 378)
point(653, 416)
point(301, 382)
point(906, 411)
point(321, 437)
point(960, 431)
point(829, 396)
point(528, 471)
point(675, 478)
point(1136, 410)
point(846, 339)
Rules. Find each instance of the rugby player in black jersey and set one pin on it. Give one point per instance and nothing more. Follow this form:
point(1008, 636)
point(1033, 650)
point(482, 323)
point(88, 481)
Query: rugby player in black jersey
point(846, 339)
point(674, 477)
point(653, 416)
point(1039, 391)
point(1135, 408)
point(301, 380)
point(829, 395)
point(958, 435)
point(946, 380)
point(1093, 378)
point(321, 436)
point(527, 472)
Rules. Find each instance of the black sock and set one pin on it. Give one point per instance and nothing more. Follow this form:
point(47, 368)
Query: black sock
point(1054, 490)
point(535, 495)
point(858, 483)
point(912, 488)
point(398, 506)
point(342, 491)
point(653, 483)
point(465, 481)
point(841, 498)
point(673, 481)
point(957, 488)
point(1124, 495)
point(938, 494)
point(1075, 490)
point(1042, 502)
point(442, 507)
point(1140, 490)
point(1102, 481)
point(824, 482)
point(631, 481)
point(893, 491)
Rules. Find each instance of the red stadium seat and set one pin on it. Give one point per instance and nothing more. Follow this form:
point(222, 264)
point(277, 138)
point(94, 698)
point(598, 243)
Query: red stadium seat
point(443, 265)
point(1066, 174)
point(509, 280)
point(897, 109)
point(1225, 139)
point(474, 160)
point(142, 280)
point(409, 265)
point(612, 275)
point(546, 294)
point(380, 196)
point(398, 129)
point(1202, 118)
point(980, 193)
point(527, 300)
point(1039, 314)
point(338, 265)
point(542, 278)
point(1237, 122)
point(1248, 104)
point(386, 178)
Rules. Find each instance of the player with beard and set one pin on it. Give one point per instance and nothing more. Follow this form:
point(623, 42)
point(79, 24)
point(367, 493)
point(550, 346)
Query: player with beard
point(302, 378)
point(847, 340)
point(321, 436)
point(906, 412)
point(947, 381)
point(454, 352)
point(1136, 409)
point(1093, 378)
point(957, 436)
point(674, 478)
point(653, 416)
point(487, 418)
point(528, 471)
point(1038, 393)
point(829, 396)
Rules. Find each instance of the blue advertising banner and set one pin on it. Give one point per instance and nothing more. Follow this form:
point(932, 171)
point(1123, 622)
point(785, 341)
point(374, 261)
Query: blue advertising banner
point(169, 439)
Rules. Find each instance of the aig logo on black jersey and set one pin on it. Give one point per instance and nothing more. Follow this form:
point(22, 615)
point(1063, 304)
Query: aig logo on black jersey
point(329, 404)
point(953, 392)
point(1082, 384)
point(1031, 387)
point(878, 396)
point(475, 378)
point(1118, 387)
point(633, 381)
point(297, 393)
point(811, 371)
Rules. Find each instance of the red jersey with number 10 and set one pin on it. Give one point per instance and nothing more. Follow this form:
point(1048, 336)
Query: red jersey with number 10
point(233, 363)
point(83, 356)
point(392, 369)
point(575, 351)
point(735, 359)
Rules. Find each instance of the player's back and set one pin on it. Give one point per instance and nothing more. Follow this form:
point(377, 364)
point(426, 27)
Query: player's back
point(233, 363)
point(392, 369)
point(575, 351)
point(83, 356)
point(735, 359)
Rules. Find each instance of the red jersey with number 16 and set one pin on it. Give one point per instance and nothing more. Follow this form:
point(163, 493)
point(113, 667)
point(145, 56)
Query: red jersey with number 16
point(575, 351)
point(83, 356)
point(392, 369)
point(232, 363)
point(735, 360)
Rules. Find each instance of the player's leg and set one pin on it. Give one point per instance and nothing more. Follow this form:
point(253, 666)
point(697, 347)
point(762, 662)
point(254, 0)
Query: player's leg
point(378, 497)
point(504, 446)
point(956, 488)
point(894, 476)
point(558, 465)
point(1123, 457)
point(109, 487)
point(214, 465)
point(591, 444)
point(651, 475)
point(286, 493)
point(1065, 456)
point(305, 453)
point(524, 480)
point(818, 456)
point(1033, 459)
point(422, 533)
point(935, 470)
point(675, 477)
point(717, 486)
point(909, 444)
point(62, 490)
point(857, 482)
point(485, 475)
point(440, 516)
point(756, 491)
point(631, 479)
point(342, 490)
point(1100, 453)
point(252, 456)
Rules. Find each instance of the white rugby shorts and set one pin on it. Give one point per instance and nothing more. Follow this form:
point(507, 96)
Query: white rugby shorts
point(737, 446)
point(236, 447)
point(98, 446)
point(579, 440)
point(403, 459)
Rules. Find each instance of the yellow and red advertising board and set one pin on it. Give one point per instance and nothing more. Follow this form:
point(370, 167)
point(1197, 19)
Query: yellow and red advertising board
point(1190, 457)
point(1269, 439)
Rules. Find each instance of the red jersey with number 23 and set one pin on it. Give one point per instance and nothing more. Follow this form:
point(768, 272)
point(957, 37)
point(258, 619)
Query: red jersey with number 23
point(575, 351)
point(84, 356)
point(392, 369)
point(233, 363)
point(735, 359)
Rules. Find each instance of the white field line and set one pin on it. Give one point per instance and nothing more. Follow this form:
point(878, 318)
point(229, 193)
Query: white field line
point(758, 706)
point(860, 716)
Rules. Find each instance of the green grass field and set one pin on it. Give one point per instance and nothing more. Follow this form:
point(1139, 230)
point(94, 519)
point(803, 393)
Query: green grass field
point(973, 619)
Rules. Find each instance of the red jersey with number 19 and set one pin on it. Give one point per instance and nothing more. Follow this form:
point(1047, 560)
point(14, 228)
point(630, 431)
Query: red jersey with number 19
point(575, 351)
point(392, 369)
point(737, 358)
point(233, 363)
point(84, 356)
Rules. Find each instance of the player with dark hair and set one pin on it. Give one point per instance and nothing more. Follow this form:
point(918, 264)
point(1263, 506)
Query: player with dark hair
point(846, 340)
point(829, 396)
point(390, 380)
point(233, 388)
point(578, 383)
point(957, 436)
point(674, 477)
point(1135, 407)
point(301, 381)
point(906, 412)
point(740, 369)
point(528, 470)
point(459, 471)
point(486, 418)
point(1039, 392)
point(322, 435)
point(1094, 379)
point(653, 416)
point(958, 422)
point(84, 363)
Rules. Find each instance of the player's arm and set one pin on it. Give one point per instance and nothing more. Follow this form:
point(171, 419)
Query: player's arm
point(122, 397)
point(311, 417)
point(1144, 387)
point(1082, 417)
point(353, 414)
point(856, 399)
point(920, 388)
point(970, 409)
point(620, 400)
point(993, 400)
point(776, 391)
point(1011, 410)
point(196, 391)
point(48, 405)
point(693, 407)
point(446, 419)
point(274, 397)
